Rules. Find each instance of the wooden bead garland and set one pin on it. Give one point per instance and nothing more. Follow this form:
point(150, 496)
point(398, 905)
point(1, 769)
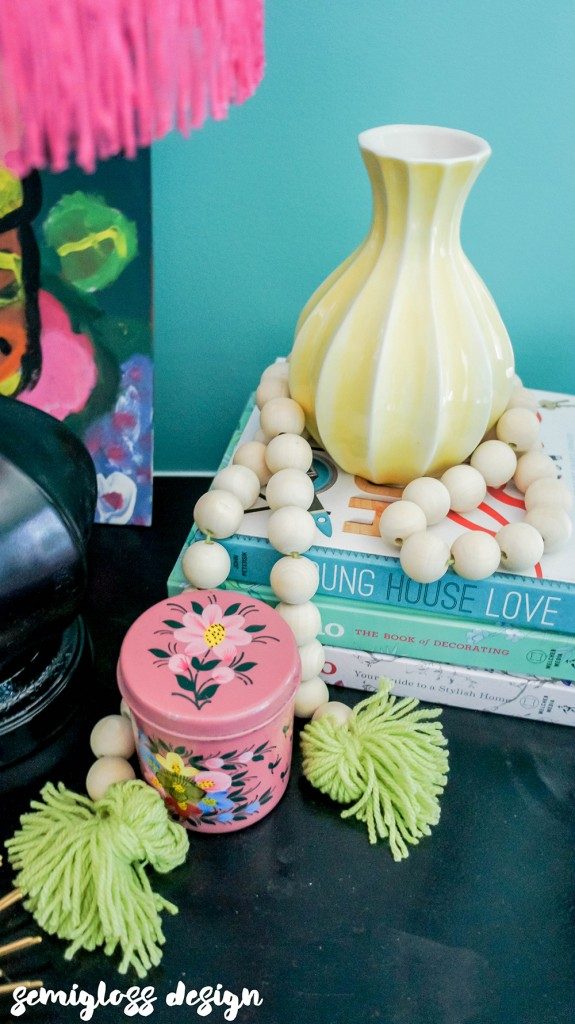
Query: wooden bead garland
point(517, 546)
point(280, 460)
point(112, 742)
point(280, 464)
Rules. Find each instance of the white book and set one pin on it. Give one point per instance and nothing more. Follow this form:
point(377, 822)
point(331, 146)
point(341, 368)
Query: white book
point(541, 700)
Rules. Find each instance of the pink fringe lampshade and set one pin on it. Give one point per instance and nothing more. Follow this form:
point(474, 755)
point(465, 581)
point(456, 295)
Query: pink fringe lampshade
point(91, 78)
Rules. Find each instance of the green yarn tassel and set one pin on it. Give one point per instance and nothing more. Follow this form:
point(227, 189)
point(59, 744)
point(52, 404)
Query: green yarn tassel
point(81, 866)
point(388, 758)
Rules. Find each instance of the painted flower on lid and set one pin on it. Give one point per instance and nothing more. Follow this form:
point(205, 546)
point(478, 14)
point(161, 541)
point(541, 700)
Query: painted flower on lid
point(214, 630)
point(204, 646)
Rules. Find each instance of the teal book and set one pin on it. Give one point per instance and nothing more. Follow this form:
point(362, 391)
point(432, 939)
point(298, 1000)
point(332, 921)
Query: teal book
point(361, 626)
point(355, 564)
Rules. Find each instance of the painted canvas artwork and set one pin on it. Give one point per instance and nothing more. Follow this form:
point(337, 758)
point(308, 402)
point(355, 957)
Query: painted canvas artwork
point(75, 317)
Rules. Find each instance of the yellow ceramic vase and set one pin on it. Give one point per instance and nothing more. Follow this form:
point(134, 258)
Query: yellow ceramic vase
point(401, 360)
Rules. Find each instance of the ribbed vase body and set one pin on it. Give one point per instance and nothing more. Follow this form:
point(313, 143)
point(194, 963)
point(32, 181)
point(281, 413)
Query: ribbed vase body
point(401, 360)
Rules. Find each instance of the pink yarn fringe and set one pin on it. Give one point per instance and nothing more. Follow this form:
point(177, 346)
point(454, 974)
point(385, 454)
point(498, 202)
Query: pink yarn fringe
point(91, 78)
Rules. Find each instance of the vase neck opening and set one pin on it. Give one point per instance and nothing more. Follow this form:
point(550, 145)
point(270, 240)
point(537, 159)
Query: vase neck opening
point(427, 144)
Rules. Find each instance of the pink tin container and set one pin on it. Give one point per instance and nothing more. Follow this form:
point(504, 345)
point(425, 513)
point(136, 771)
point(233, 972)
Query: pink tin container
point(210, 679)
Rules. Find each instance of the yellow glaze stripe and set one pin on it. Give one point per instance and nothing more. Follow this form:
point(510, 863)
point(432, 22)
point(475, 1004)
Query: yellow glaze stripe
point(401, 360)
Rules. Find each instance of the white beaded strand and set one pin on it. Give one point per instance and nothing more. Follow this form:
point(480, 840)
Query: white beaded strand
point(494, 462)
point(291, 530)
point(533, 466)
point(112, 743)
point(432, 497)
point(553, 524)
point(206, 564)
point(467, 487)
point(548, 492)
point(253, 455)
point(279, 462)
point(280, 459)
point(399, 520)
point(521, 546)
point(289, 451)
point(241, 481)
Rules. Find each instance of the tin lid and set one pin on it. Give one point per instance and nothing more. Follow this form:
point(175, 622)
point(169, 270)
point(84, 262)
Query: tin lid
point(208, 664)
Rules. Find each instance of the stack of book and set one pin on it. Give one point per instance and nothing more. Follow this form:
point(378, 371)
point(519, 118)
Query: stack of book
point(505, 644)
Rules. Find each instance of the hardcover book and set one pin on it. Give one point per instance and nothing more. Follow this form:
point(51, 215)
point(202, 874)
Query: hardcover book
point(396, 633)
point(355, 564)
point(539, 700)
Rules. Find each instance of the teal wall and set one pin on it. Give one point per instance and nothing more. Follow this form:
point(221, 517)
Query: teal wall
point(252, 213)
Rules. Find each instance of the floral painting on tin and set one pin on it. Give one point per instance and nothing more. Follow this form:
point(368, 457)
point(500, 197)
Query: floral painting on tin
point(205, 647)
point(218, 789)
point(75, 317)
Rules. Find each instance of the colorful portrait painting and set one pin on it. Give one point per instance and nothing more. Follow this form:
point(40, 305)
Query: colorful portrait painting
point(75, 317)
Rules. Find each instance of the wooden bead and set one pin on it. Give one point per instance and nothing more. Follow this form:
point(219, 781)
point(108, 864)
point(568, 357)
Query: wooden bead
point(290, 487)
point(241, 481)
point(399, 520)
point(312, 657)
point(554, 525)
point(432, 497)
point(424, 557)
point(533, 466)
point(271, 387)
point(105, 772)
point(206, 564)
point(112, 736)
point(496, 462)
point(334, 709)
point(519, 428)
point(310, 696)
point(279, 371)
point(466, 486)
point(548, 492)
point(304, 621)
point(289, 451)
point(475, 555)
point(521, 546)
point(281, 416)
point(291, 529)
point(522, 398)
point(253, 455)
point(294, 580)
point(218, 513)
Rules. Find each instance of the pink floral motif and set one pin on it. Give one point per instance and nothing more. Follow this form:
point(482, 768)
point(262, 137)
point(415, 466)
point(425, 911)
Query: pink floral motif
point(212, 631)
point(205, 649)
point(217, 782)
point(222, 674)
point(246, 757)
point(214, 762)
point(179, 664)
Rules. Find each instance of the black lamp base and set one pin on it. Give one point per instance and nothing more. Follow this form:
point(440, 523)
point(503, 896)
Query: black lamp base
point(38, 697)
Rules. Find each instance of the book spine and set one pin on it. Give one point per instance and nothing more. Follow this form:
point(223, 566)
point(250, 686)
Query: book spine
point(522, 602)
point(407, 634)
point(522, 697)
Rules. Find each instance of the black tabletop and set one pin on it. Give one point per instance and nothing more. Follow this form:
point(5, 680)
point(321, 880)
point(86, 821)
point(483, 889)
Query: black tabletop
point(475, 927)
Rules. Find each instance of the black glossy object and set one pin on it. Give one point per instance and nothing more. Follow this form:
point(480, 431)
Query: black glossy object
point(47, 502)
